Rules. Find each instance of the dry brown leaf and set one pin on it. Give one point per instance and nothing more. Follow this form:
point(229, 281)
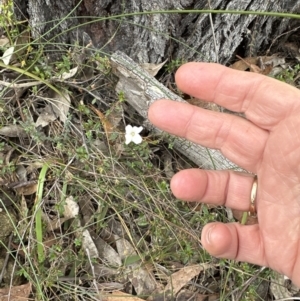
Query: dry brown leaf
point(120, 296)
point(27, 189)
point(108, 127)
point(152, 68)
point(179, 279)
point(255, 64)
point(15, 293)
point(244, 64)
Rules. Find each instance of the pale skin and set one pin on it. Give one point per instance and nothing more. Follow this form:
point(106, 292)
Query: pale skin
point(267, 144)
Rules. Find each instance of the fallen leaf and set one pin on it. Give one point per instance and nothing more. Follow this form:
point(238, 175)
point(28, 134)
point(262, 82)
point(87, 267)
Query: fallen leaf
point(6, 57)
point(88, 245)
point(255, 64)
point(179, 279)
point(140, 276)
point(107, 253)
point(13, 131)
point(70, 74)
point(27, 189)
point(108, 127)
point(46, 116)
point(16, 293)
point(61, 104)
point(153, 68)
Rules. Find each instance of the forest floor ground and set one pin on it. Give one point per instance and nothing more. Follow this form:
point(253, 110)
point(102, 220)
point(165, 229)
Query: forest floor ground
point(85, 216)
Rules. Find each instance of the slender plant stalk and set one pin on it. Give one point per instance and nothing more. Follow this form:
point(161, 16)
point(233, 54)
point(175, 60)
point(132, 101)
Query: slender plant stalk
point(38, 214)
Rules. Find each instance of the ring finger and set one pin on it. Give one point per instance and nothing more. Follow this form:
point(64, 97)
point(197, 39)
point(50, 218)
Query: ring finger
point(222, 188)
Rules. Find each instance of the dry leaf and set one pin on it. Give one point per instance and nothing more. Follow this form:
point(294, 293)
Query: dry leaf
point(89, 245)
point(6, 57)
point(46, 116)
point(255, 64)
point(179, 279)
point(244, 64)
point(108, 127)
point(67, 75)
point(61, 104)
point(107, 253)
point(55, 223)
point(119, 296)
point(153, 68)
point(15, 293)
point(13, 131)
point(27, 189)
point(138, 274)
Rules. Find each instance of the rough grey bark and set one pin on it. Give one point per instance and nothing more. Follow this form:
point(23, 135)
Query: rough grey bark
point(151, 38)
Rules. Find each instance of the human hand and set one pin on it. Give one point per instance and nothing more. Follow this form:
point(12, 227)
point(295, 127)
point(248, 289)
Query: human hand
point(267, 144)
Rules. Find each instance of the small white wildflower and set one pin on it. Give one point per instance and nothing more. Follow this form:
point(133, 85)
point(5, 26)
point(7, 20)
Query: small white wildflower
point(133, 134)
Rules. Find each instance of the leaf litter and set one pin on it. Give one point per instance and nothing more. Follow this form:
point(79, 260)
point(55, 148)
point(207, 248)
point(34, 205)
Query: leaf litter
point(95, 197)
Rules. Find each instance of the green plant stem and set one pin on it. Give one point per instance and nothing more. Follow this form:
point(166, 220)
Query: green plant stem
point(38, 214)
point(244, 218)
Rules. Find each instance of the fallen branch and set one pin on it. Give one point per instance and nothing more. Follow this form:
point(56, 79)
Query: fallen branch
point(141, 90)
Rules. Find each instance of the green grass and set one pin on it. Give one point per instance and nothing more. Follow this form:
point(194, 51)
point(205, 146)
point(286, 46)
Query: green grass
point(120, 190)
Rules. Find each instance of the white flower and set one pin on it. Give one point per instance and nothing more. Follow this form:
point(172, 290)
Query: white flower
point(133, 134)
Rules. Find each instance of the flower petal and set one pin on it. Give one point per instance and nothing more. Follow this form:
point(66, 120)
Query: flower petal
point(138, 129)
point(128, 138)
point(137, 139)
point(128, 129)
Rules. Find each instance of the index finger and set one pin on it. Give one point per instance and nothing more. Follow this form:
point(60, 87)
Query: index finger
point(264, 100)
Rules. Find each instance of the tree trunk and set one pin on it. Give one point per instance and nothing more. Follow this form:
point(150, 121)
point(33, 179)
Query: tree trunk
point(153, 38)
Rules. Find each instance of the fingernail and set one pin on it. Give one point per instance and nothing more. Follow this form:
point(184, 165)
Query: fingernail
point(209, 234)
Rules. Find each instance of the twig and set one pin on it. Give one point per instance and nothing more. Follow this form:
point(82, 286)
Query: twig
point(6, 258)
point(18, 86)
